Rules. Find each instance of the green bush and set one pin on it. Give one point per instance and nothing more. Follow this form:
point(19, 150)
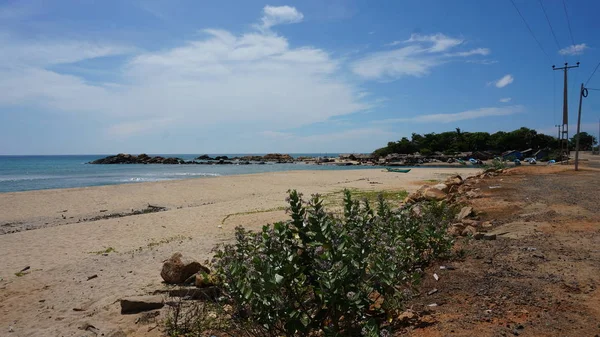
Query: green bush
point(497, 164)
point(324, 274)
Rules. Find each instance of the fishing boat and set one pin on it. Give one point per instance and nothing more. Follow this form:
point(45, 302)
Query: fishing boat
point(398, 170)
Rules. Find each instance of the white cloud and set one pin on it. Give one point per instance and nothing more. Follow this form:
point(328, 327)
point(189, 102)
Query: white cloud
point(478, 51)
point(505, 100)
point(502, 82)
point(576, 49)
point(459, 116)
point(253, 79)
point(485, 62)
point(277, 15)
point(440, 41)
point(418, 55)
point(42, 52)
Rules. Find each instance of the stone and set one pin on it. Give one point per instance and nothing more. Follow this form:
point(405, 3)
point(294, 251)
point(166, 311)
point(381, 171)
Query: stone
point(472, 194)
point(434, 194)
point(486, 224)
point(407, 316)
point(136, 304)
point(442, 187)
point(469, 230)
point(489, 237)
point(464, 212)
point(177, 269)
point(478, 236)
point(456, 229)
point(417, 211)
point(454, 180)
point(470, 222)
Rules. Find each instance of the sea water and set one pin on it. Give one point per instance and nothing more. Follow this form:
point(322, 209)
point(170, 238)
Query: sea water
point(24, 173)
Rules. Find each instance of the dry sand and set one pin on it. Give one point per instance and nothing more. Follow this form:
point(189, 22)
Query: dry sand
point(56, 298)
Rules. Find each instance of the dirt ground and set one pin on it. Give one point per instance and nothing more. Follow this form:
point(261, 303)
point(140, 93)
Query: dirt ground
point(540, 277)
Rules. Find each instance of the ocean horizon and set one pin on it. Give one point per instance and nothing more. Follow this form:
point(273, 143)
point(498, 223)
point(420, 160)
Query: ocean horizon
point(40, 172)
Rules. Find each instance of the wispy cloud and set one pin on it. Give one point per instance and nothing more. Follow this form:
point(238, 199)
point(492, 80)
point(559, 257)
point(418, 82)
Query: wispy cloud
point(459, 116)
point(505, 100)
point(484, 62)
point(440, 41)
point(503, 81)
point(576, 49)
point(277, 15)
point(416, 57)
point(478, 51)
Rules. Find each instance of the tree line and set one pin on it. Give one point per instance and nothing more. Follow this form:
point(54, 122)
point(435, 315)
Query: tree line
point(452, 142)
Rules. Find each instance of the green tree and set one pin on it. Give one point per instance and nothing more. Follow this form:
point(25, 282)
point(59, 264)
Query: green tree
point(586, 141)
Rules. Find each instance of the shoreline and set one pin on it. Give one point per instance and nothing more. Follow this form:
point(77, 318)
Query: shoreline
point(195, 175)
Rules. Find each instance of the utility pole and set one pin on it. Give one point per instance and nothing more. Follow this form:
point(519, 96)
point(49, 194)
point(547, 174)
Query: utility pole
point(564, 139)
point(583, 92)
point(558, 126)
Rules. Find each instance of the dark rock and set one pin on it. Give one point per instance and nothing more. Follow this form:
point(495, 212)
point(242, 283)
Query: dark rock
point(177, 269)
point(204, 157)
point(489, 237)
point(143, 158)
point(133, 305)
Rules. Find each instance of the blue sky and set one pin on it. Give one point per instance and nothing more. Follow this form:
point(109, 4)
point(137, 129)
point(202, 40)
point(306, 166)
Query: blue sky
point(249, 76)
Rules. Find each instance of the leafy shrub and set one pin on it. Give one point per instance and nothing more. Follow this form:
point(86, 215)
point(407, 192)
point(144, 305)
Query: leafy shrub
point(324, 274)
point(497, 164)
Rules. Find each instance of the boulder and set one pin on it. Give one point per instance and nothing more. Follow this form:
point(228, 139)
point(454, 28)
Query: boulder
point(454, 180)
point(441, 187)
point(133, 305)
point(464, 212)
point(434, 194)
point(177, 269)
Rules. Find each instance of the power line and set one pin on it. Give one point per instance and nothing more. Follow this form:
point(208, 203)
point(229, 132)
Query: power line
point(529, 28)
point(592, 75)
point(568, 22)
point(550, 24)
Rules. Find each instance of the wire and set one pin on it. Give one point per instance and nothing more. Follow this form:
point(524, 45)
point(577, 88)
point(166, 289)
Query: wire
point(568, 22)
point(550, 24)
point(592, 89)
point(592, 75)
point(529, 28)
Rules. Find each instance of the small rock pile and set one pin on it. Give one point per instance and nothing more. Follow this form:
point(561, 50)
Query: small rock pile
point(180, 270)
point(456, 190)
point(193, 280)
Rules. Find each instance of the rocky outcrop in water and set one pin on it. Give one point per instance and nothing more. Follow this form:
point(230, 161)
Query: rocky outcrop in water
point(123, 158)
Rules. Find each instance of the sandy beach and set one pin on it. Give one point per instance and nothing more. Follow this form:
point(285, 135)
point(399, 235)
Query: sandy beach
point(57, 234)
